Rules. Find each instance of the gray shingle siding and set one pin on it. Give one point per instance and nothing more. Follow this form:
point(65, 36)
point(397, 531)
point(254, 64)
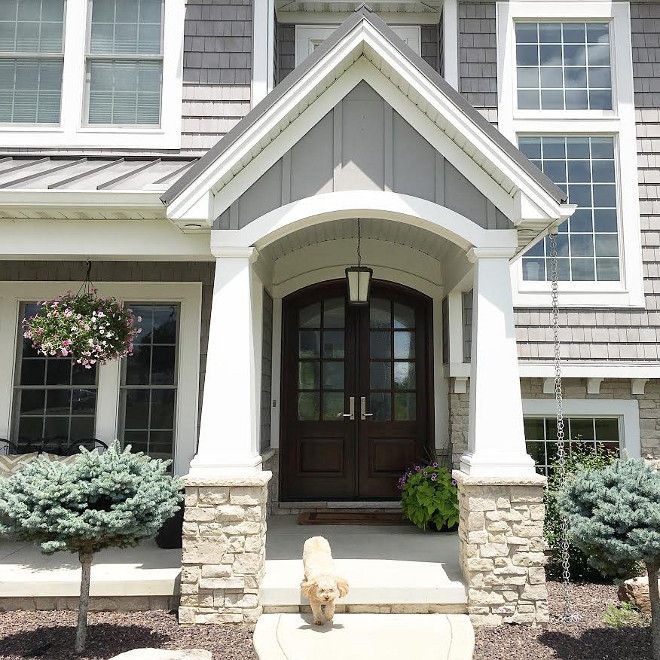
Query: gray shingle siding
point(285, 47)
point(431, 38)
point(477, 53)
point(217, 70)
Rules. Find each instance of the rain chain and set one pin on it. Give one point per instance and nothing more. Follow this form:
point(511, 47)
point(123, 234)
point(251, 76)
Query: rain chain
point(569, 614)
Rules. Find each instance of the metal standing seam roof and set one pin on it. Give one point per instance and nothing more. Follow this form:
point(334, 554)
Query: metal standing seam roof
point(87, 174)
point(362, 13)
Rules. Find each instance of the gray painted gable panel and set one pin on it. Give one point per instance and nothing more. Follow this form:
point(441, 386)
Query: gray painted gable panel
point(312, 162)
point(362, 144)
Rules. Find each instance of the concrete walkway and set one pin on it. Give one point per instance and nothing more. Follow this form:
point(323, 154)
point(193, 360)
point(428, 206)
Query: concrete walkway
point(365, 637)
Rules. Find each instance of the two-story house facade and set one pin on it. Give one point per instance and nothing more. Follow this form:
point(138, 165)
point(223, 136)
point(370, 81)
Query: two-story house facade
point(221, 163)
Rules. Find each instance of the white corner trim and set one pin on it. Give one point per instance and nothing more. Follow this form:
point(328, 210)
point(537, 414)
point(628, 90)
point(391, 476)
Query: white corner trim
point(263, 49)
point(620, 122)
point(187, 294)
point(626, 410)
point(72, 132)
point(450, 41)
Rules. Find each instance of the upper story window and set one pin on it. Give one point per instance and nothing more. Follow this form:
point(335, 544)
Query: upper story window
point(587, 244)
point(563, 66)
point(566, 97)
point(310, 37)
point(91, 74)
point(125, 62)
point(31, 61)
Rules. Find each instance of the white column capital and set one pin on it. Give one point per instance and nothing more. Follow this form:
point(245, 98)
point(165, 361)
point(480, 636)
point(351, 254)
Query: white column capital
point(234, 252)
point(476, 253)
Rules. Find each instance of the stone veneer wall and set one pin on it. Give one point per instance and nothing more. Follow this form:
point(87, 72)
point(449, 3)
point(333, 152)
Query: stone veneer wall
point(459, 413)
point(96, 603)
point(224, 549)
point(502, 549)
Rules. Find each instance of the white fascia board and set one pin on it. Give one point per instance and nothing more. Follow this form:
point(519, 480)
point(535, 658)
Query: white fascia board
point(117, 199)
point(341, 57)
point(105, 239)
point(337, 18)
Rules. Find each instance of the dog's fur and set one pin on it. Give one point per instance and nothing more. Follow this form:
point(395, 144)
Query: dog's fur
point(321, 585)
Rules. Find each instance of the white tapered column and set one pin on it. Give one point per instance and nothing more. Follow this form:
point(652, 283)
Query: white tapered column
point(228, 439)
point(496, 442)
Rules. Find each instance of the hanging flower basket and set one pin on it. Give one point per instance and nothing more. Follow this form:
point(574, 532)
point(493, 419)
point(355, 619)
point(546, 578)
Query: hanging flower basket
point(83, 327)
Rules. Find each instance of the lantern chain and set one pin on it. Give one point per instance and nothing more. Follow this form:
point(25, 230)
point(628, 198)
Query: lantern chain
point(569, 614)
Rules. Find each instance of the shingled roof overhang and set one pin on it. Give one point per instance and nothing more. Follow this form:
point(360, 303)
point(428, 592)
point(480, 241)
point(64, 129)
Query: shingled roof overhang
point(539, 203)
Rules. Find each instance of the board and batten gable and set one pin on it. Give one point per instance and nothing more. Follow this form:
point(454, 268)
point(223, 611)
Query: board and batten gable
point(362, 144)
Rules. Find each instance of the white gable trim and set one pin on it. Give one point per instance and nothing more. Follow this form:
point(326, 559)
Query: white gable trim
point(325, 207)
point(364, 39)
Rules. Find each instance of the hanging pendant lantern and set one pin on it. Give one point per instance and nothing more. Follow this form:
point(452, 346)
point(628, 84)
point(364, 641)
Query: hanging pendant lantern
point(358, 278)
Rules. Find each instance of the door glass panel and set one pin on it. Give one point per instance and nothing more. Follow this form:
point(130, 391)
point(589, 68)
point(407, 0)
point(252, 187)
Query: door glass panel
point(308, 406)
point(333, 313)
point(309, 344)
point(404, 345)
point(405, 406)
point(333, 375)
point(308, 375)
point(380, 375)
point(380, 345)
point(333, 406)
point(380, 315)
point(333, 344)
point(404, 316)
point(404, 375)
point(321, 361)
point(310, 316)
point(380, 406)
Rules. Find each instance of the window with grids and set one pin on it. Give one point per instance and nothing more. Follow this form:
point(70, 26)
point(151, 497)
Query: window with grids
point(601, 433)
point(563, 66)
point(54, 398)
point(31, 61)
point(125, 62)
point(149, 382)
point(588, 243)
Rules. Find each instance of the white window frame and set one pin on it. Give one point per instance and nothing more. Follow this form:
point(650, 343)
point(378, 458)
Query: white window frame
point(187, 294)
point(618, 122)
point(73, 130)
point(625, 410)
point(309, 36)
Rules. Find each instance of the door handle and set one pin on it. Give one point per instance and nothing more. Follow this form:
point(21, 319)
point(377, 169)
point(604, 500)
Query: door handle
point(363, 409)
point(351, 409)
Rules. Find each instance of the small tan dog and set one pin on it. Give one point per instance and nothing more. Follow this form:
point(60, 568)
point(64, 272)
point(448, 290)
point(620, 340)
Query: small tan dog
point(321, 585)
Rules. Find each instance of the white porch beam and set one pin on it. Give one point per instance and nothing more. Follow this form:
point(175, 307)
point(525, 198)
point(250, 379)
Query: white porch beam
point(496, 441)
point(228, 437)
point(101, 239)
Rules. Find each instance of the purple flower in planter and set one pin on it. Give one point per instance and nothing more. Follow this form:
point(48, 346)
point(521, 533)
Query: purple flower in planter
point(454, 482)
point(434, 477)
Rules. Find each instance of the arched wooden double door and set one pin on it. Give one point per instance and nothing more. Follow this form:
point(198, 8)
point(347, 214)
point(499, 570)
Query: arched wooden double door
point(355, 391)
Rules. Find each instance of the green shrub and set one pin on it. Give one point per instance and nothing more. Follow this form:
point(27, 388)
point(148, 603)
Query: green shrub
point(113, 499)
point(624, 615)
point(614, 517)
point(578, 456)
point(429, 497)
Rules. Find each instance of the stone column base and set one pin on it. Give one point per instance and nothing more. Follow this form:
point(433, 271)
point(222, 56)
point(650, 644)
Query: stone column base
point(224, 548)
point(502, 548)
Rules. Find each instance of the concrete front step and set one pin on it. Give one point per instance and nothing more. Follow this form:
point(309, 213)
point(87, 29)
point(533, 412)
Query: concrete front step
point(361, 636)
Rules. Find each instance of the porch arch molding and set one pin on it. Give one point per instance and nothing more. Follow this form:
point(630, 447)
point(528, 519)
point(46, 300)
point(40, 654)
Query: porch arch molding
point(406, 209)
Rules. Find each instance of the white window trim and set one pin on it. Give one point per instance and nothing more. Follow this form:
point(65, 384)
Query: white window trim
point(619, 122)
point(72, 131)
point(627, 411)
point(308, 35)
point(189, 297)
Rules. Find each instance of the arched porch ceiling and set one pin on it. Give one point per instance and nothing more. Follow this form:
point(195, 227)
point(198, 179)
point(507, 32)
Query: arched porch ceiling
point(364, 50)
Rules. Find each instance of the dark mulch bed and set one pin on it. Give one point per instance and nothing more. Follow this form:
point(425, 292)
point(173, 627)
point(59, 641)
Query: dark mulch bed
point(589, 639)
point(50, 635)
